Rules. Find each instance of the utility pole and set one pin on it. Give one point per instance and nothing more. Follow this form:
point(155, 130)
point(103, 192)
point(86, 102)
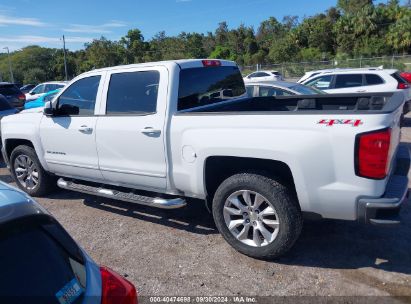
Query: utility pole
point(65, 60)
point(10, 68)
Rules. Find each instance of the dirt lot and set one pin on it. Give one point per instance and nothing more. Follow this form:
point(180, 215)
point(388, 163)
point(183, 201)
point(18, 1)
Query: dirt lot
point(180, 252)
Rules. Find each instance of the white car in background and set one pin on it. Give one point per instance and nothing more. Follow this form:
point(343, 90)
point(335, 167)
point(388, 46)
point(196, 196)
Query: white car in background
point(44, 88)
point(372, 80)
point(279, 88)
point(311, 74)
point(264, 76)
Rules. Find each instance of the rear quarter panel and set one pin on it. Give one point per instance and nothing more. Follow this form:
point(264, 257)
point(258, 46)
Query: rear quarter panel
point(320, 157)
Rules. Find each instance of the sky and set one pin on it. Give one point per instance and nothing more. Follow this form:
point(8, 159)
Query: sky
point(43, 22)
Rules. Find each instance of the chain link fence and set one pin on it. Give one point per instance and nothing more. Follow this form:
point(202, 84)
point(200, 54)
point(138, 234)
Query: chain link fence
point(295, 70)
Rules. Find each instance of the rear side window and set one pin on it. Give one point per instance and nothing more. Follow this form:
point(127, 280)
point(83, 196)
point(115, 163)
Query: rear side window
point(304, 90)
point(205, 86)
point(250, 91)
point(133, 93)
point(348, 81)
point(373, 79)
point(35, 264)
point(9, 90)
point(271, 91)
point(80, 97)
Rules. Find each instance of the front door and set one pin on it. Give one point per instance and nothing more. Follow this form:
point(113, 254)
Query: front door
point(68, 137)
point(130, 133)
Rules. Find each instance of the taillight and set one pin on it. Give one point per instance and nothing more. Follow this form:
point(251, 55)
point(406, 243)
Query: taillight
point(21, 96)
point(116, 289)
point(211, 63)
point(403, 86)
point(372, 154)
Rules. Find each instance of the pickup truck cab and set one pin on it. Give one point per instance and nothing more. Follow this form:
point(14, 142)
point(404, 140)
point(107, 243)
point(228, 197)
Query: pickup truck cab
point(160, 133)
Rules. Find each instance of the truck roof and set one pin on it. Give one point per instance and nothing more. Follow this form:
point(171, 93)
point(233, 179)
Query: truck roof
point(183, 63)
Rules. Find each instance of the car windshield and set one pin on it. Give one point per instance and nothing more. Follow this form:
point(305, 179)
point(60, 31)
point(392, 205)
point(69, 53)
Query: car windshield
point(304, 90)
point(204, 86)
point(39, 264)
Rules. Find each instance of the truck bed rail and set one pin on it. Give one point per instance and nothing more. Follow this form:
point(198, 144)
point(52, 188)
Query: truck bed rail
point(364, 103)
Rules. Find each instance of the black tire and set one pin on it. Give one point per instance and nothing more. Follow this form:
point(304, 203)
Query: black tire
point(284, 203)
point(46, 182)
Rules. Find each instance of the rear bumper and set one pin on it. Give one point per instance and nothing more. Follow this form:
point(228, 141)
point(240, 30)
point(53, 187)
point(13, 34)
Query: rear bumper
point(385, 210)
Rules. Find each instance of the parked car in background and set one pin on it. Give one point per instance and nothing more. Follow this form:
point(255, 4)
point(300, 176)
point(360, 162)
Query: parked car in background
point(44, 88)
point(41, 263)
point(406, 76)
point(263, 76)
point(280, 88)
point(39, 102)
point(362, 81)
point(27, 88)
point(13, 95)
point(311, 74)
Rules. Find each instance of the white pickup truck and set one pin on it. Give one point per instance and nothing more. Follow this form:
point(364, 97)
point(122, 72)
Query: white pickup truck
point(160, 133)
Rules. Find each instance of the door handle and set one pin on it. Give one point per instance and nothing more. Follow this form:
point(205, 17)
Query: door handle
point(85, 129)
point(150, 131)
point(361, 91)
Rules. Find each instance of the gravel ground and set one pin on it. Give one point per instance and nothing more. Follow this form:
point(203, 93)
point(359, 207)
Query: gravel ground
point(180, 253)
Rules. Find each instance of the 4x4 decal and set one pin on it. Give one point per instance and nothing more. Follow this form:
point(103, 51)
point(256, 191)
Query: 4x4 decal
point(332, 122)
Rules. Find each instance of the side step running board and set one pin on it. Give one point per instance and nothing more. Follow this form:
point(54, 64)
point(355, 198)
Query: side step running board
point(130, 197)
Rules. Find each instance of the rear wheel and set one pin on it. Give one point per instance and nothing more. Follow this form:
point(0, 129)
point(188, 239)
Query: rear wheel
point(257, 215)
point(28, 173)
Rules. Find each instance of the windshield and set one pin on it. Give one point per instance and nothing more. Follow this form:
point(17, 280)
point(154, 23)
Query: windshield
point(204, 86)
point(304, 90)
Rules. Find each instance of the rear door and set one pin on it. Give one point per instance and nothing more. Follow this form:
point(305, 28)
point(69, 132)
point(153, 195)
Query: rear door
point(69, 136)
point(130, 131)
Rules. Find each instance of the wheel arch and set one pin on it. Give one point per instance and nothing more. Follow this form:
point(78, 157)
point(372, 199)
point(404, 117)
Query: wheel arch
point(219, 168)
point(12, 143)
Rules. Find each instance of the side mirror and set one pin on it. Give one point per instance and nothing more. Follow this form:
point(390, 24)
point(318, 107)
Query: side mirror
point(32, 93)
point(48, 109)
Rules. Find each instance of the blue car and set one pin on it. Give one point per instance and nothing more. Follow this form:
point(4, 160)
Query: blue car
point(41, 263)
point(39, 102)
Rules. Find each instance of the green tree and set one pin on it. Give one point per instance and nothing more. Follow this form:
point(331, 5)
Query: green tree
point(352, 6)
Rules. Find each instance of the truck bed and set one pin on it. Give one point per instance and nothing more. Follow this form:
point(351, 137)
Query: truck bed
point(369, 103)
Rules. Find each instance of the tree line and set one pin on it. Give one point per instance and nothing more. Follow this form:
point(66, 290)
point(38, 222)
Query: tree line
point(353, 28)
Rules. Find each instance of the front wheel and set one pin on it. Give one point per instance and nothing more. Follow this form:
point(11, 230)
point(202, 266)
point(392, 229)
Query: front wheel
point(28, 173)
point(257, 215)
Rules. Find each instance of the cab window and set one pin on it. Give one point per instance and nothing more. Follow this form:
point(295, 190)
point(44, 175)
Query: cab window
point(79, 98)
point(133, 93)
